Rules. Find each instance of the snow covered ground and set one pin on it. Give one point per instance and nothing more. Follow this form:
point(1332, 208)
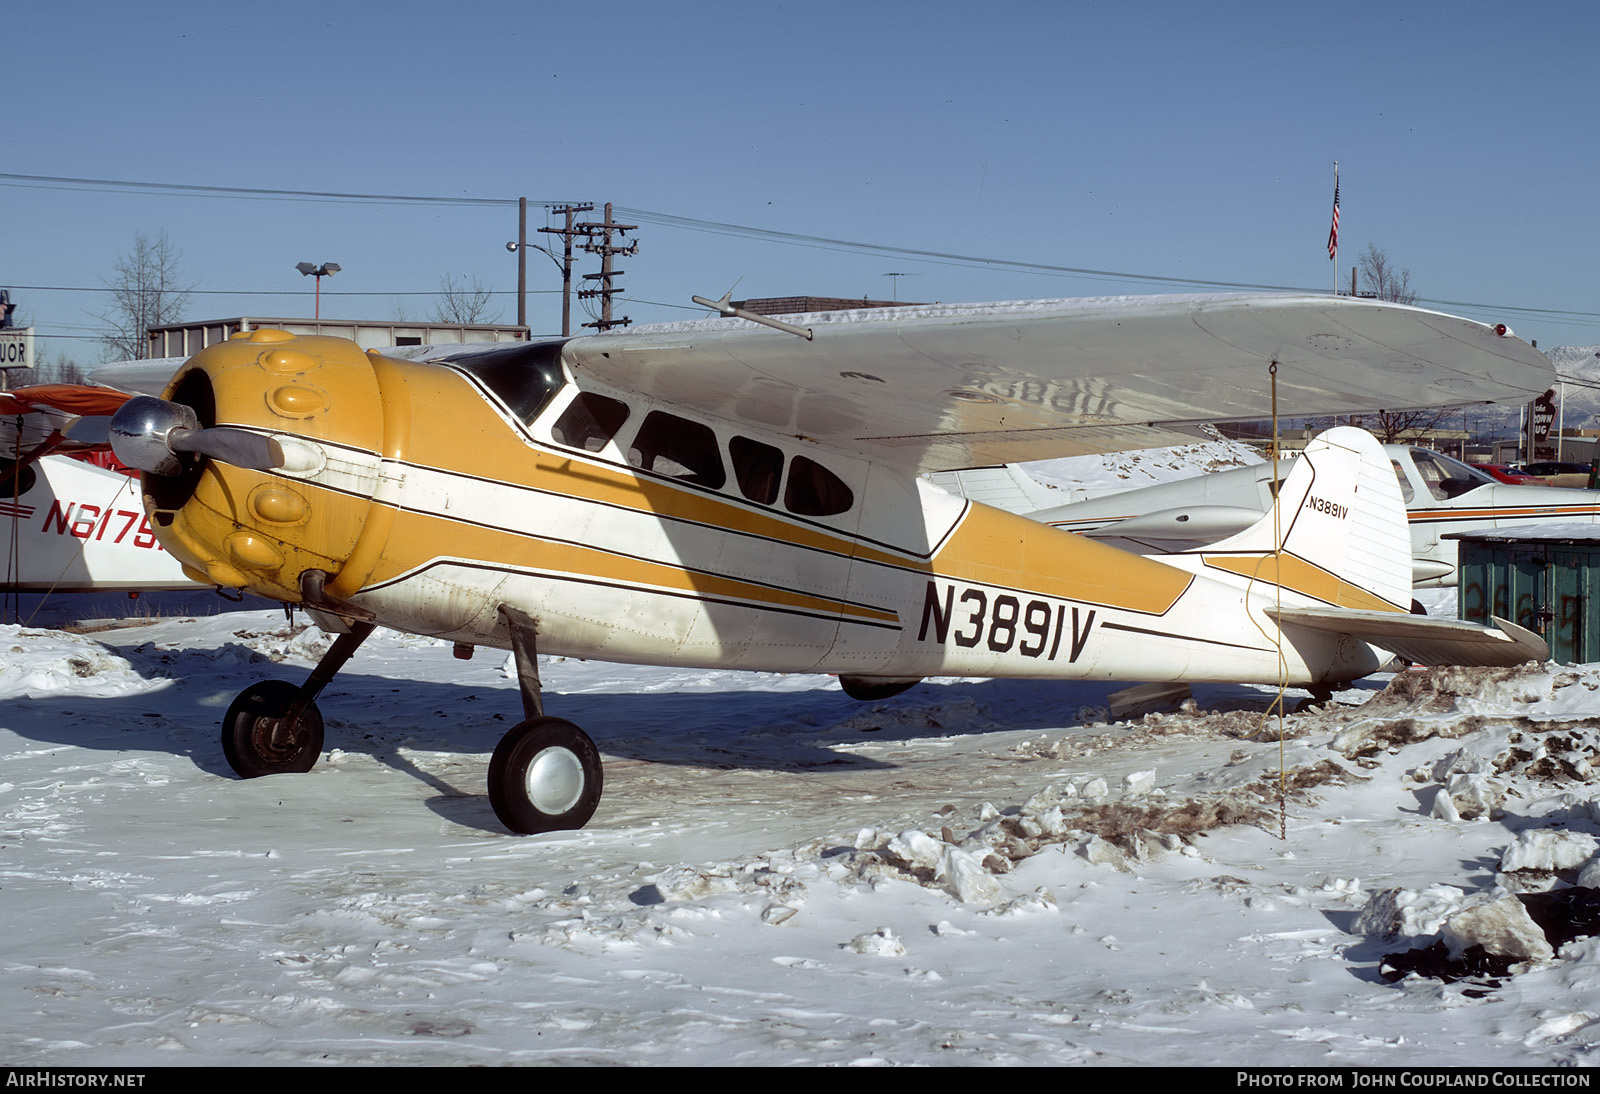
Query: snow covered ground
point(976, 872)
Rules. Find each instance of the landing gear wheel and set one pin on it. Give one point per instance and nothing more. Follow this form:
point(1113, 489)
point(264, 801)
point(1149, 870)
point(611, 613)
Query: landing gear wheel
point(545, 776)
point(256, 738)
point(868, 689)
point(1320, 697)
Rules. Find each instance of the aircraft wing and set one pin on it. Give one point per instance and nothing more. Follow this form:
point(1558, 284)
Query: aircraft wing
point(49, 417)
point(1425, 640)
point(936, 387)
point(148, 377)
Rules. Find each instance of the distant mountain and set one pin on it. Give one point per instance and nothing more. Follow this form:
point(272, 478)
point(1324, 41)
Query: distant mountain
point(1579, 367)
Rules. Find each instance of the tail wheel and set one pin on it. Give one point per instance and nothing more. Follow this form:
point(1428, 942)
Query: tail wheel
point(545, 776)
point(258, 739)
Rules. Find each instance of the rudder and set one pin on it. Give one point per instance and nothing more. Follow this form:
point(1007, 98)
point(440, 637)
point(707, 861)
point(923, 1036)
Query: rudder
point(1345, 539)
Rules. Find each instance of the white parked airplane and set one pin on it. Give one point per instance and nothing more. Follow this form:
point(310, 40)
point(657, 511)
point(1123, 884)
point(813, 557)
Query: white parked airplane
point(1441, 495)
point(722, 494)
point(66, 525)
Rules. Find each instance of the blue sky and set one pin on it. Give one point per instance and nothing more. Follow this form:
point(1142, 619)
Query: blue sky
point(1170, 140)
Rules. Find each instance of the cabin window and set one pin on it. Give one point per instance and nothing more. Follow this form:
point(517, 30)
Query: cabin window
point(590, 422)
point(679, 449)
point(757, 468)
point(814, 491)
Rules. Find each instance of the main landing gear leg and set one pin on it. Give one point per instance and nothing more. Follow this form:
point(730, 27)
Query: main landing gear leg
point(545, 775)
point(275, 727)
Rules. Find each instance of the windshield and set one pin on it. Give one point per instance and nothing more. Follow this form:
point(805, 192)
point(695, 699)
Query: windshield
point(1446, 477)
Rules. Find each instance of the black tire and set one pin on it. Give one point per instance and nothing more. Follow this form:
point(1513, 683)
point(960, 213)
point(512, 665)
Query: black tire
point(248, 732)
point(1320, 697)
point(545, 776)
point(867, 689)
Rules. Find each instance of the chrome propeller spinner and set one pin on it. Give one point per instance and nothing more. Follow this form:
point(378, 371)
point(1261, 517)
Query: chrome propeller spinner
point(148, 434)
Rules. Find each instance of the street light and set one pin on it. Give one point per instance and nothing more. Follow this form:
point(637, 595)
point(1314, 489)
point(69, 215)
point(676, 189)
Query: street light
point(327, 269)
point(521, 250)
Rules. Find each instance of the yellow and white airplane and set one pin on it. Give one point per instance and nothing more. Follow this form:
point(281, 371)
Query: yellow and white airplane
point(720, 493)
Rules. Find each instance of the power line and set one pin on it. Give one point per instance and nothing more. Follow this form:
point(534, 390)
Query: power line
point(695, 224)
point(177, 189)
point(271, 292)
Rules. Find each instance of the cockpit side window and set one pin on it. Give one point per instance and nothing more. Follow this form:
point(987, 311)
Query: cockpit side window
point(678, 448)
point(589, 422)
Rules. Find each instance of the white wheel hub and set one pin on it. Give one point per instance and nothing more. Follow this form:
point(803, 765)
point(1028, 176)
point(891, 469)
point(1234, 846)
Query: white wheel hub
point(555, 781)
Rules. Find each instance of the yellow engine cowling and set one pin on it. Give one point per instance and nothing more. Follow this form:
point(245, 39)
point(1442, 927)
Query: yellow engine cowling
point(323, 400)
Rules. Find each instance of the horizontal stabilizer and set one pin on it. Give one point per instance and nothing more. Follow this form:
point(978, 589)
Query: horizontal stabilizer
point(1194, 524)
point(1422, 639)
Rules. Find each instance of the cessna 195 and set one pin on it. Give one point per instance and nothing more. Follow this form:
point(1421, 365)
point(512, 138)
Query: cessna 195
point(717, 493)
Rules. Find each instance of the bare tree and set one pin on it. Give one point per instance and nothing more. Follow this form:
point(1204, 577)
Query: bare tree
point(1405, 426)
point(62, 370)
point(1388, 283)
point(145, 292)
point(1383, 279)
point(463, 302)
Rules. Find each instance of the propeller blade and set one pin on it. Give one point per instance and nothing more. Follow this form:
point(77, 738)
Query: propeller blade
point(238, 447)
point(148, 433)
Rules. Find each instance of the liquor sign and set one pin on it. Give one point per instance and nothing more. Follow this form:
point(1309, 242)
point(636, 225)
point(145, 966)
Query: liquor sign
point(16, 347)
point(1541, 423)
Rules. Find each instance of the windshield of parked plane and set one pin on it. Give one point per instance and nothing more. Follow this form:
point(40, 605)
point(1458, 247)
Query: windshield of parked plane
point(1446, 477)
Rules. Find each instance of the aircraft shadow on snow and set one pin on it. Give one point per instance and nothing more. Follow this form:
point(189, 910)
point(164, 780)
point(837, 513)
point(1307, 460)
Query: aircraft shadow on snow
point(731, 729)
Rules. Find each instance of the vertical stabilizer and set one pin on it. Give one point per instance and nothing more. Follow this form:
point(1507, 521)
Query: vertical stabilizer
point(1345, 540)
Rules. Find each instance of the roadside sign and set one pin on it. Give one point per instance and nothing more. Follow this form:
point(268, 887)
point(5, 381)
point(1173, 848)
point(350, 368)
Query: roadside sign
point(16, 348)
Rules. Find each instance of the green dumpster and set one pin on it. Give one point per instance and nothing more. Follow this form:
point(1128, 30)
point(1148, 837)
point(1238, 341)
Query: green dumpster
point(1539, 576)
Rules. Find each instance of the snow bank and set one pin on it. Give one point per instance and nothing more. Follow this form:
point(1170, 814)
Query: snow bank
point(38, 664)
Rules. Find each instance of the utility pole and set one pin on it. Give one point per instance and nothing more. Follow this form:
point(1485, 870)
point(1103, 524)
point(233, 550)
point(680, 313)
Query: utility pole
point(605, 250)
point(567, 234)
point(522, 262)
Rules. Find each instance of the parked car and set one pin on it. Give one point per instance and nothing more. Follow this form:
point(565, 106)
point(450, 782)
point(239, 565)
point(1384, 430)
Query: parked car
point(1505, 472)
point(1560, 473)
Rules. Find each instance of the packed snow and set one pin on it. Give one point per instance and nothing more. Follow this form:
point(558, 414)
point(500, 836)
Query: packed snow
point(974, 872)
point(1079, 477)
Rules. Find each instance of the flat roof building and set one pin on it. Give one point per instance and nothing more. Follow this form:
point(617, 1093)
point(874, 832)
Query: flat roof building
point(187, 339)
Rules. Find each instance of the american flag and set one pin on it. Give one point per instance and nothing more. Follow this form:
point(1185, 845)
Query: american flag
point(1333, 233)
